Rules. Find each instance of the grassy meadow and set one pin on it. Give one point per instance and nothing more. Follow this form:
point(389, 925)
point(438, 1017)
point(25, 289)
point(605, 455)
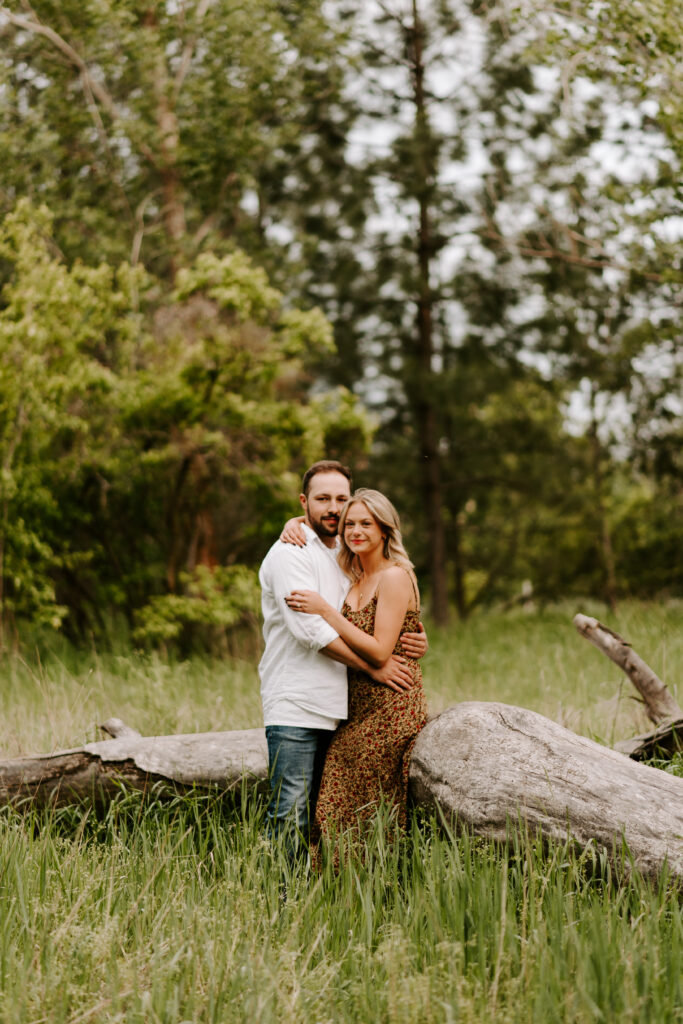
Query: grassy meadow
point(171, 912)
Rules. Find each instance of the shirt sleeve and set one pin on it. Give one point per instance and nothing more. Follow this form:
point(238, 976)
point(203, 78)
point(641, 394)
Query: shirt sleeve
point(291, 569)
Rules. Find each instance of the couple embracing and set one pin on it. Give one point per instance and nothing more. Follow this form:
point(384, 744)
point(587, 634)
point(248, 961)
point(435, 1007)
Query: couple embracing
point(340, 595)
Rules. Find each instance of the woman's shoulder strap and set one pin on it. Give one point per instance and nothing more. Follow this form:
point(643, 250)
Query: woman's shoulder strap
point(416, 592)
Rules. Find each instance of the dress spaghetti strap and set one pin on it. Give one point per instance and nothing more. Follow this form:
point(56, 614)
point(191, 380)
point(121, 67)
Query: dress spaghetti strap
point(415, 591)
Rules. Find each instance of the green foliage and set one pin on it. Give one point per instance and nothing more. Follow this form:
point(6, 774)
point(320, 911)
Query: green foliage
point(148, 433)
point(151, 131)
point(286, 174)
point(648, 538)
point(54, 325)
point(637, 44)
point(211, 603)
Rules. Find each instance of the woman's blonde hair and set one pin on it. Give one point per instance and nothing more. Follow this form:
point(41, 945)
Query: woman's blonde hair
point(386, 517)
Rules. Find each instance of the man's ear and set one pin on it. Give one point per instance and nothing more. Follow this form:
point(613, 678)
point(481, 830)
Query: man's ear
point(304, 503)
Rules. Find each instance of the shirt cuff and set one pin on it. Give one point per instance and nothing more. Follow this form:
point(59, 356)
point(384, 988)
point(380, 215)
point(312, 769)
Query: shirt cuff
point(324, 636)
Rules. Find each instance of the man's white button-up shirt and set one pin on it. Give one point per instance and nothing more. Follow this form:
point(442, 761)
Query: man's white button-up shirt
point(299, 685)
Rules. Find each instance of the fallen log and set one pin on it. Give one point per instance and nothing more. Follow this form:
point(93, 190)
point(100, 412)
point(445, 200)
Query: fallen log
point(164, 764)
point(485, 766)
point(661, 707)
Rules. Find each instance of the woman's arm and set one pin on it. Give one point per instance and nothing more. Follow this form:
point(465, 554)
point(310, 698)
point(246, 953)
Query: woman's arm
point(393, 600)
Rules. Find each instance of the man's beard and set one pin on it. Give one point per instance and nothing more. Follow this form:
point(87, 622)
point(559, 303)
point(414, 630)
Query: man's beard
point(325, 526)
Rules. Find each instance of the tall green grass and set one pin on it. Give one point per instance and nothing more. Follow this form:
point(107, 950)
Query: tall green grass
point(172, 912)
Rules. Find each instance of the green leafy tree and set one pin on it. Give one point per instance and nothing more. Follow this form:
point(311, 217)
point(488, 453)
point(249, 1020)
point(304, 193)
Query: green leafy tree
point(153, 130)
point(553, 294)
point(53, 322)
point(594, 229)
point(434, 352)
point(636, 45)
point(215, 428)
point(149, 436)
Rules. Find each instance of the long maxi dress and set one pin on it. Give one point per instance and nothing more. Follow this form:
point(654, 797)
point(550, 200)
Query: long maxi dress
point(369, 757)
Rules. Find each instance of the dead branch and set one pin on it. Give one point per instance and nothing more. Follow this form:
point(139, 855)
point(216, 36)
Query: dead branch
point(659, 704)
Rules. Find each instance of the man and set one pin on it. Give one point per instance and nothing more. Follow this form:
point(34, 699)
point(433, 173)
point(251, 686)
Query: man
point(303, 668)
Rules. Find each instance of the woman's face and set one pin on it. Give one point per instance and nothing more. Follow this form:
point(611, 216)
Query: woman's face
point(362, 532)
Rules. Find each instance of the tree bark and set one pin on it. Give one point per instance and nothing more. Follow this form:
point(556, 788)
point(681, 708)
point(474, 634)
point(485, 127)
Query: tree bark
point(664, 741)
point(173, 207)
point(487, 767)
point(660, 706)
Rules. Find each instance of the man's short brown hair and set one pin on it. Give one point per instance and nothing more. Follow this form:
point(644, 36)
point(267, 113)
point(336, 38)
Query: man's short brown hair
point(324, 466)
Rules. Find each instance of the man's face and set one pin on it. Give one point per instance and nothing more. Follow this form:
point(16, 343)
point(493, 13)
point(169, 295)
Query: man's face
point(327, 494)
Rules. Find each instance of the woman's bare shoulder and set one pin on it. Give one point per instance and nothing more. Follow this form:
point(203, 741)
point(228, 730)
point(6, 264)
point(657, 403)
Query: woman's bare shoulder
point(397, 577)
point(401, 581)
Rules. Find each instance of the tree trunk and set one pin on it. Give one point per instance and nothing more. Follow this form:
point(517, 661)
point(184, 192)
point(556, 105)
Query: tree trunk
point(425, 408)
point(173, 208)
point(605, 534)
point(487, 767)
point(455, 543)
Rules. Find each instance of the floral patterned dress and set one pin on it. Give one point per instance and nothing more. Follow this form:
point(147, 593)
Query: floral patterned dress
point(369, 756)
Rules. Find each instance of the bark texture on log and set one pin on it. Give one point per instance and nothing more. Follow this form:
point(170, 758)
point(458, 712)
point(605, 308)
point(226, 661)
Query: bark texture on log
point(226, 760)
point(486, 765)
point(659, 704)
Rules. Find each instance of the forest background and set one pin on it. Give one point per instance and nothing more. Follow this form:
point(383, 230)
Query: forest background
point(439, 241)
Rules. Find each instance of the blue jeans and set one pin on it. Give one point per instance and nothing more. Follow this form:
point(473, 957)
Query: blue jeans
point(295, 763)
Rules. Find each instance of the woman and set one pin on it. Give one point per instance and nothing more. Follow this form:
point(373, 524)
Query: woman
point(369, 756)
